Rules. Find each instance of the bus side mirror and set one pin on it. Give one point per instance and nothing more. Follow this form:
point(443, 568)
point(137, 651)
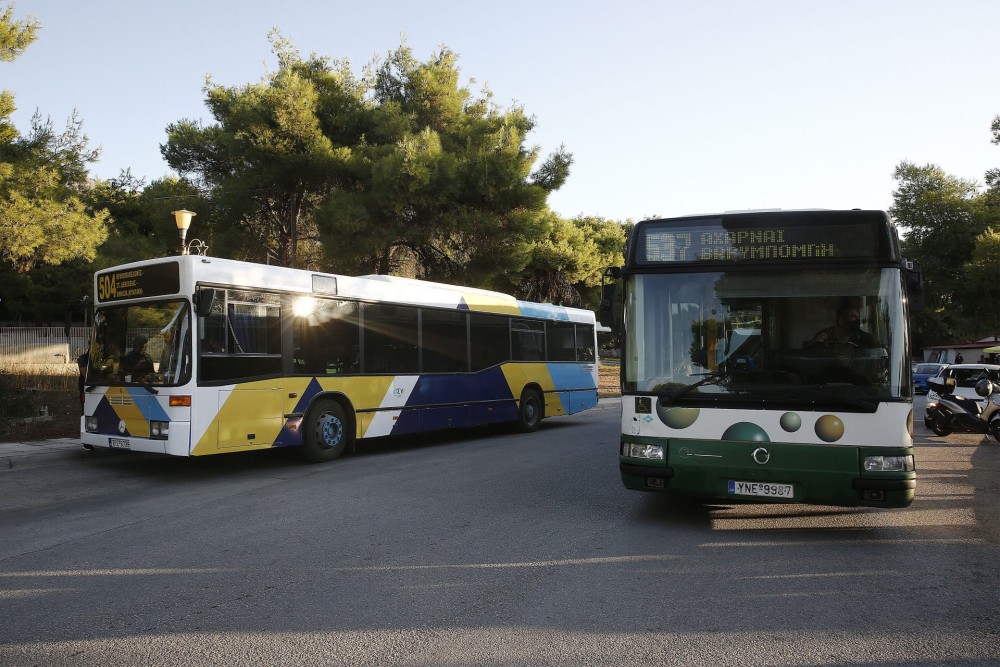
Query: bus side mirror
point(203, 302)
point(914, 279)
point(609, 297)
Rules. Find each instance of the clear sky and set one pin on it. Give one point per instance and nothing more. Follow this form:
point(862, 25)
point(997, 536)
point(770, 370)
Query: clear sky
point(668, 107)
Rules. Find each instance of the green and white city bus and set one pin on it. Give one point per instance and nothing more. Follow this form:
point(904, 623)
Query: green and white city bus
point(766, 358)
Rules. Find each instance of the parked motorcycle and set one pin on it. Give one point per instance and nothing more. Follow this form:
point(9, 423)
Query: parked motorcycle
point(967, 415)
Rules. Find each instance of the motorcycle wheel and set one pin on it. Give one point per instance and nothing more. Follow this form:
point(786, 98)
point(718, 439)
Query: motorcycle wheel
point(939, 429)
point(995, 428)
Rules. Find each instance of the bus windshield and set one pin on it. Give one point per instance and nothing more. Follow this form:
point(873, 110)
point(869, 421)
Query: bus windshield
point(147, 344)
point(767, 336)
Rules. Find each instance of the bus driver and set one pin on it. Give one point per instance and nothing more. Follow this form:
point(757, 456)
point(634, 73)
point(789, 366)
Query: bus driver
point(137, 363)
point(846, 331)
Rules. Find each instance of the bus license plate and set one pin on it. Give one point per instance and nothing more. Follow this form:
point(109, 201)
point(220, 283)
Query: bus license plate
point(762, 489)
point(118, 443)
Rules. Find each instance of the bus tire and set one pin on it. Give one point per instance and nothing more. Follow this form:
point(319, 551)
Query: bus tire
point(327, 432)
point(530, 412)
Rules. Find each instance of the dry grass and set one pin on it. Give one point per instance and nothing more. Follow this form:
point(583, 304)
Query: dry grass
point(31, 390)
point(40, 377)
point(608, 385)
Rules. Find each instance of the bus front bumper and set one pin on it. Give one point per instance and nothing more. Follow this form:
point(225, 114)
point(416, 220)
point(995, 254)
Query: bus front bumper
point(809, 474)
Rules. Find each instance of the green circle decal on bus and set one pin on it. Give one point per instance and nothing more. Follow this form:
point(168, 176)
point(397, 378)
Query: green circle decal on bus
point(746, 431)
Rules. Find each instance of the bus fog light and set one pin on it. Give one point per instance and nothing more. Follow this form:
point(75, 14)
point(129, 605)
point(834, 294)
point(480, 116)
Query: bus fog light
point(889, 463)
point(637, 451)
point(91, 424)
point(159, 430)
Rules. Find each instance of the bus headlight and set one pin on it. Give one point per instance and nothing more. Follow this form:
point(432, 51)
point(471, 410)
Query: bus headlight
point(637, 451)
point(91, 424)
point(889, 463)
point(159, 430)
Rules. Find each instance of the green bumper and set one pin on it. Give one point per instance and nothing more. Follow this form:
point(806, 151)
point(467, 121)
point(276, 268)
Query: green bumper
point(818, 474)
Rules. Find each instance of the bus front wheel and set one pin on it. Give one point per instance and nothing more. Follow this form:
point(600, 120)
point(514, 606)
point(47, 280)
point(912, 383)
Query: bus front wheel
point(327, 432)
point(531, 411)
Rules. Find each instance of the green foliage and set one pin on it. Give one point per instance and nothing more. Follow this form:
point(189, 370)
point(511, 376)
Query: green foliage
point(39, 230)
point(948, 228)
point(141, 222)
point(993, 175)
point(940, 217)
point(268, 161)
point(444, 177)
point(567, 262)
point(982, 281)
point(15, 36)
point(422, 177)
point(42, 218)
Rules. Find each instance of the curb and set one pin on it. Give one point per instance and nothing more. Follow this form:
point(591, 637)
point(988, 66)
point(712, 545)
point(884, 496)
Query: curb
point(14, 455)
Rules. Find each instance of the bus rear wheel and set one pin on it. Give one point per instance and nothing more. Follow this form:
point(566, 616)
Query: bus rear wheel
point(327, 432)
point(530, 412)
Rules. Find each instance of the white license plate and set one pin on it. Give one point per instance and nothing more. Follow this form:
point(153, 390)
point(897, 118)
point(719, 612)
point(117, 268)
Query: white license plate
point(118, 443)
point(760, 489)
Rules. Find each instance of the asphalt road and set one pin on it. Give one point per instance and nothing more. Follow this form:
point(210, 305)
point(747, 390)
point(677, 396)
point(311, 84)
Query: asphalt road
point(485, 548)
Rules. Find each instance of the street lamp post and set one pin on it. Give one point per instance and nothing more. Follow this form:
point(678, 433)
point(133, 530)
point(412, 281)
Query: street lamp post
point(183, 220)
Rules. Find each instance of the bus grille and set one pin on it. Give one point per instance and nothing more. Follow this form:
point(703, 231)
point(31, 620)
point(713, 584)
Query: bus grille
point(120, 399)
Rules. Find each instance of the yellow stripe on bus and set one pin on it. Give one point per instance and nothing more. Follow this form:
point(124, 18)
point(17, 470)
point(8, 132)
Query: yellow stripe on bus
point(252, 415)
point(519, 375)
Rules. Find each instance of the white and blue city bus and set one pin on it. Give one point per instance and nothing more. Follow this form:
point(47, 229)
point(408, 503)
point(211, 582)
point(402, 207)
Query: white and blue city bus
point(244, 356)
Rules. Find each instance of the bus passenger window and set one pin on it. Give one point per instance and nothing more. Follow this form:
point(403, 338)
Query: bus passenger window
point(390, 339)
point(561, 341)
point(444, 338)
point(490, 340)
point(326, 341)
point(527, 340)
point(213, 329)
point(585, 347)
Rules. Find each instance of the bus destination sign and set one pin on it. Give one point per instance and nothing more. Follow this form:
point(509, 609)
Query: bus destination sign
point(139, 282)
point(713, 243)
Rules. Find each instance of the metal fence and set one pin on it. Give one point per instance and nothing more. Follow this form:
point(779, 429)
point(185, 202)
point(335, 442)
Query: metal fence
point(42, 345)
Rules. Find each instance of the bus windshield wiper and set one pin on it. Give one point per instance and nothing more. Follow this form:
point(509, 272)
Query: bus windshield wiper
point(147, 386)
point(710, 378)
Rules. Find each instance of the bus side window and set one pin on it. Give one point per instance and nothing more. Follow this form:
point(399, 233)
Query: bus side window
point(326, 340)
point(444, 337)
point(390, 339)
point(490, 340)
point(561, 340)
point(527, 340)
point(213, 329)
point(585, 343)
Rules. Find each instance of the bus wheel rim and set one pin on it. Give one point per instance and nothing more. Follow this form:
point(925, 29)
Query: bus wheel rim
point(331, 431)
